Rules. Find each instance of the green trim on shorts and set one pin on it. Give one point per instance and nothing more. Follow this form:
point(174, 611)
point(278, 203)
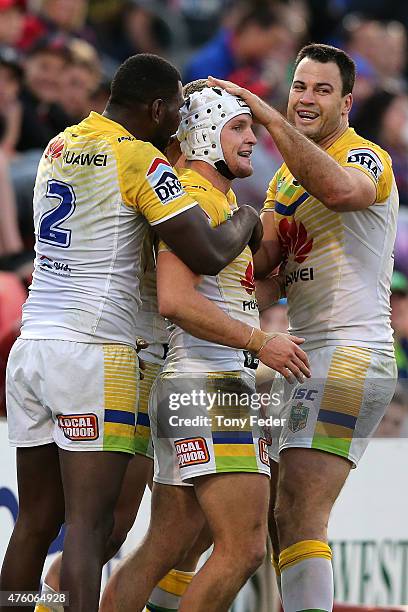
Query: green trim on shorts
point(142, 447)
point(120, 444)
point(230, 464)
point(336, 446)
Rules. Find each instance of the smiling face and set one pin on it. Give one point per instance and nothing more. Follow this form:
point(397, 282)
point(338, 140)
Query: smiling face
point(316, 106)
point(237, 141)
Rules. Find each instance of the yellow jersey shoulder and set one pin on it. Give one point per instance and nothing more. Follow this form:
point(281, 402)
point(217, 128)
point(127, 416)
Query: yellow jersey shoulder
point(147, 181)
point(353, 151)
point(217, 205)
point(350, 150)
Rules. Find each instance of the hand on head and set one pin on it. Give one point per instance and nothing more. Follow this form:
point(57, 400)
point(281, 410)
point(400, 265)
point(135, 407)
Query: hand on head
point(261, 111)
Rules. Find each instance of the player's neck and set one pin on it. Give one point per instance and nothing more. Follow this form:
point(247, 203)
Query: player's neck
point(127, 120)
point(328, 140)
point(211, 174)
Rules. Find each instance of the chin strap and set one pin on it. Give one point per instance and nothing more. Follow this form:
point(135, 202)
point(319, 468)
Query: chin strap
point(223, 169)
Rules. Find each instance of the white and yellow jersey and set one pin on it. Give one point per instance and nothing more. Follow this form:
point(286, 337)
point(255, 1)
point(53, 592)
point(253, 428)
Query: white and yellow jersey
point(338, 266)
point(150, 325)
point(233, 290)
point(96, 191)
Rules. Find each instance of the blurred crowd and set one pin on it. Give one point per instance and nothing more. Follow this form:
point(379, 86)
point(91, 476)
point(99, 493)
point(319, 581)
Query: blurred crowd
point(57, 58)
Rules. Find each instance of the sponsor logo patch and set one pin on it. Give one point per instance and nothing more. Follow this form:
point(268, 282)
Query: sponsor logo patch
point(248, 281)
point(298, 417)
point(306, 394)
point(368, 159)
point(192, 451)
point(249, 305)
point(85, 159)
point(294, 240)
point(164, 182)
point(54, 149)
point(58, 267)
point(301, 274)
point(263, 451)
point(79, 426)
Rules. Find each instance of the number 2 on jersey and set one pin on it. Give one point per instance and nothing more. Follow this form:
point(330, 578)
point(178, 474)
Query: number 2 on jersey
point(50, 230)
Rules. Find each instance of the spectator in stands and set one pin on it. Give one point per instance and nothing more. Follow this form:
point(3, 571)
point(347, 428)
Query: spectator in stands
point(366, 40)
point(202, 19)
point(394, 423)
point(43, 117)
point(383, 118)
point(399, 321)
point(100, 97)
point(363, 39)
point(11, 22)
point(379, 9)
point(392, 64)
point(138, 28)
point(11, 243)
point(66, 17)
point(366, 85)
point(240, 51)
point(80, 80)
point(11, 75)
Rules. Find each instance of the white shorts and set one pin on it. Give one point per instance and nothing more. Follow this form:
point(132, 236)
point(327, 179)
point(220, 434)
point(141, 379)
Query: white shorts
point(143, 437)
point(81, 396)
point(340, 407)
point(199, 438)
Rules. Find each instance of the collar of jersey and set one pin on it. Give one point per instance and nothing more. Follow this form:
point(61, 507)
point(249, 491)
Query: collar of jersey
point(191, 176)
point(94, 119)
point(350, 131)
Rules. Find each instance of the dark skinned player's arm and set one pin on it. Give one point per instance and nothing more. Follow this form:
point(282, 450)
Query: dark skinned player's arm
point(207, 250)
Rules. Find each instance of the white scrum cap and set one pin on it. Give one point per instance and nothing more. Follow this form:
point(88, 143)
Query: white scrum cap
point(203, 116)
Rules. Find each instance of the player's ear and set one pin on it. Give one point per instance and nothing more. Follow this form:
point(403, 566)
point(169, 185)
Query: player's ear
point(157, 110)
point(347, 103)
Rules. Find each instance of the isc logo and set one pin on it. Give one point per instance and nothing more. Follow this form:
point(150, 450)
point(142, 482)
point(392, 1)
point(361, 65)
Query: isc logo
point(306, 394)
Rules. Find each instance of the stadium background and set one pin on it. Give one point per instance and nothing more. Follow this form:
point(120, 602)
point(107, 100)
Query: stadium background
point(56, 60)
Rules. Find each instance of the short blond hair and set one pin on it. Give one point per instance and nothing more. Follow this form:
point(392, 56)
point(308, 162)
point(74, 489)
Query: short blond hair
point(194, 86)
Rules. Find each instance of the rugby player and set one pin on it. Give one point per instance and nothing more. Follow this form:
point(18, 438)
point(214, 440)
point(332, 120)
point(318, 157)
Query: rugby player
point(228, 467)
point(72, 378)
point(330, 216)
point(139, 472)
